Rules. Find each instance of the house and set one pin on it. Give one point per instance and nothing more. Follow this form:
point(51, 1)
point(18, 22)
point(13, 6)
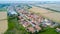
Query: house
point(30, 21)
point(38, 28)
point(31, 29)
point(20, 17)
point(11, 13)
point(26, 24)
point(47, 22)
point(58, 29)
point(54, 25)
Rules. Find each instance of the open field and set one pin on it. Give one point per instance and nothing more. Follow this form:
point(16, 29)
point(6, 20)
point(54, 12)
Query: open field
point(3, 26)
point(3, 22)
point(51, 6)
point(54, 16)
point(3, 15)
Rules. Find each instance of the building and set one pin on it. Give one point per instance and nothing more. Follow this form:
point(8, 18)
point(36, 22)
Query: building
point(38, 28)
point(26, 24)
point(12, 13)
point(31, 29)
point(58, 29)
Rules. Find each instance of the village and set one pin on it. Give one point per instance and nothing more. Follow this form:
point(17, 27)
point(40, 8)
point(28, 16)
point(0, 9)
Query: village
point(31, 21)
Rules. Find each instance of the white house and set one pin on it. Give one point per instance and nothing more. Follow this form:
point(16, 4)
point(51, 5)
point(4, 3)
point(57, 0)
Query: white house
point(11, 13)
point(58, 29)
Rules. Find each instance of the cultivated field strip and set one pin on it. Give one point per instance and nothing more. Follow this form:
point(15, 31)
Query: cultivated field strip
point(3, 15)
point(3, 22)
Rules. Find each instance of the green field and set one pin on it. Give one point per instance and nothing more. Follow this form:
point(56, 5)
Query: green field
point(15, 28)
point(49, 30)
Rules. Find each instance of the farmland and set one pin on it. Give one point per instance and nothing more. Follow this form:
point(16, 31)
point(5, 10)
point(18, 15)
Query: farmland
point(54, 16)
point(3, 22)
point(51, 6)
point(3, 15)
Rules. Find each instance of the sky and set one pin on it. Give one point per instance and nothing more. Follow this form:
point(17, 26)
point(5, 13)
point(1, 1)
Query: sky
point(29, 0)
point(6, 1)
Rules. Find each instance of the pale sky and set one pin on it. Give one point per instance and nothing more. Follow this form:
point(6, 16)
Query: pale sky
point(29, 0)
point(5, 1)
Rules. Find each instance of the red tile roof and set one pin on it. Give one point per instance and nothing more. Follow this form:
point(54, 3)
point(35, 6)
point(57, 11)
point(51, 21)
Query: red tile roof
point(37, 27)
point(31, 29)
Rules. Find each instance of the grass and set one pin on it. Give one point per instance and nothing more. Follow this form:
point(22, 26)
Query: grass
point(49, 30)
point(14, 27)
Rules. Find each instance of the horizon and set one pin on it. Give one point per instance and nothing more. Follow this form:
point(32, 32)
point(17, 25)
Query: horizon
point(18, 1)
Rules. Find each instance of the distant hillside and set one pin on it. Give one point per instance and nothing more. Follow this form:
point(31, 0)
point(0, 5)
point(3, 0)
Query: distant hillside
point(3, 5)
